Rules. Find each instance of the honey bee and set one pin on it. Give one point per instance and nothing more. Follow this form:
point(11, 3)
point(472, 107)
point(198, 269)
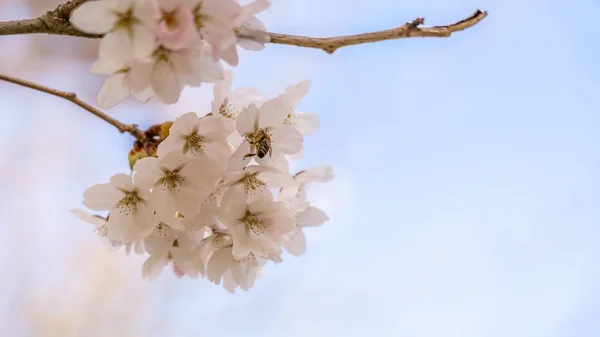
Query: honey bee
point(260, 144)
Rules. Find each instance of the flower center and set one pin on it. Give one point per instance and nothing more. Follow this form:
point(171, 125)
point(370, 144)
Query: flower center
point(291, 118)
point(125, 20)
point(128, 204)
point(227, 109)
point(254, 224)
point(194, 142)
point(170, 19)
point(253, 184)
point(172, 180)
point(199, 17)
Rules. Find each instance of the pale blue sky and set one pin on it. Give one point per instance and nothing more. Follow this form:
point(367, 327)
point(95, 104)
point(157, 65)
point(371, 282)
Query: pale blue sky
point(467, 178)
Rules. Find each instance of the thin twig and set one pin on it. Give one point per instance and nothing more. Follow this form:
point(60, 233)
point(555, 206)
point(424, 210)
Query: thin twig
point(57, 22)
point(72, 97)
point(409, 29)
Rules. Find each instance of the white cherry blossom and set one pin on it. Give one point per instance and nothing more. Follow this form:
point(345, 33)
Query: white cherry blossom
point(117, 87)
point(251, 33)
point(178, 184)
point(256, 227)
point(123, 22)
point(255, 182)
point(305, 122)
point(169, 71)
point(295, 242)
point(194, 136)
point(297, 192)
point(130, 216)
point(264, 124)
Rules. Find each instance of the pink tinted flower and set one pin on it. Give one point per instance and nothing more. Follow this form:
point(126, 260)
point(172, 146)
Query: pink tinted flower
point(175, 25)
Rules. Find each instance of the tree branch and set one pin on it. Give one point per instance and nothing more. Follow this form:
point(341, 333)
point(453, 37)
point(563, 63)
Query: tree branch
point(409, 29)
point(56, 22)
point(72, 97)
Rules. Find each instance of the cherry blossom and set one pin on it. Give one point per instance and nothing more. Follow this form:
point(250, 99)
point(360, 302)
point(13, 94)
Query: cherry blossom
point(168, 71)
point(256, 227)
point(306, 123)
point(295, 241)
point(194, 136)
point(264, 124)
point(207, 204)
point(178, 183)
point(124, 24)
point(130, 216)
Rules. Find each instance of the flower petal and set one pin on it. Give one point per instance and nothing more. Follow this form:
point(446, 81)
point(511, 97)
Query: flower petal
point(122, 181)
point(102, 197)
point(93, 17)
point(296, 245)
point(286, 140)
point(219, 263)
point(307, 123)
point(272, 112)
point(247, 121)
point(113, 91)
point(311, 217)
point(294, 93)
point(165, 83)
point(147, 172)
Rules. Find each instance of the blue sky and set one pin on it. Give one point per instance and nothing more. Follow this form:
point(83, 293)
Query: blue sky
point(466, 190)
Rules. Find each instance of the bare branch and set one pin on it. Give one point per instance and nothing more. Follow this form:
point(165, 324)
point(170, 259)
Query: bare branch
point(410, 29)
point(72, 97)
point(57, 22)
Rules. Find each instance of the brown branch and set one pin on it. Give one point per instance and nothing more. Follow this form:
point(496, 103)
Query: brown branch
point(72, 97)
point(57, 22)
point(409, 29)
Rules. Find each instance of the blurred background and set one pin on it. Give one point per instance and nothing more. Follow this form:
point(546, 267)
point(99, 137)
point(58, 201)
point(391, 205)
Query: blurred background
point(465, 201)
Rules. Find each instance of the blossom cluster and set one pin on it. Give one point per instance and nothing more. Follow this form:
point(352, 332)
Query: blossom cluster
point(218, 199)
point(152, 49)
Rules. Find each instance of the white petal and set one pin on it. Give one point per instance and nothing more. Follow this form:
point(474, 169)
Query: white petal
point(230, 55)
point(171, 143)
point(122, 181)
point(228, 283)
point(165, 83)
point(113, 91)
point(221, 90)
point(276, 179)
point(218, 264)
point(316, 174)
point(91, 219)
point(102, 197)
point(139, 76)
point(250, 44)
point(293, 94)
point(214, 128)
point(147, 172)
point(93, 17)
point(286, 140)
point(220, 152)
point(247, 121)
point(153, 266)
point(307, 123)
point(272, 112)
point(311, 217)
point(144, 42)
point(203, 173)
point(297, 244)
point(116, 49)
point(145, 95)
point(237, 160)
point(233, 208)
